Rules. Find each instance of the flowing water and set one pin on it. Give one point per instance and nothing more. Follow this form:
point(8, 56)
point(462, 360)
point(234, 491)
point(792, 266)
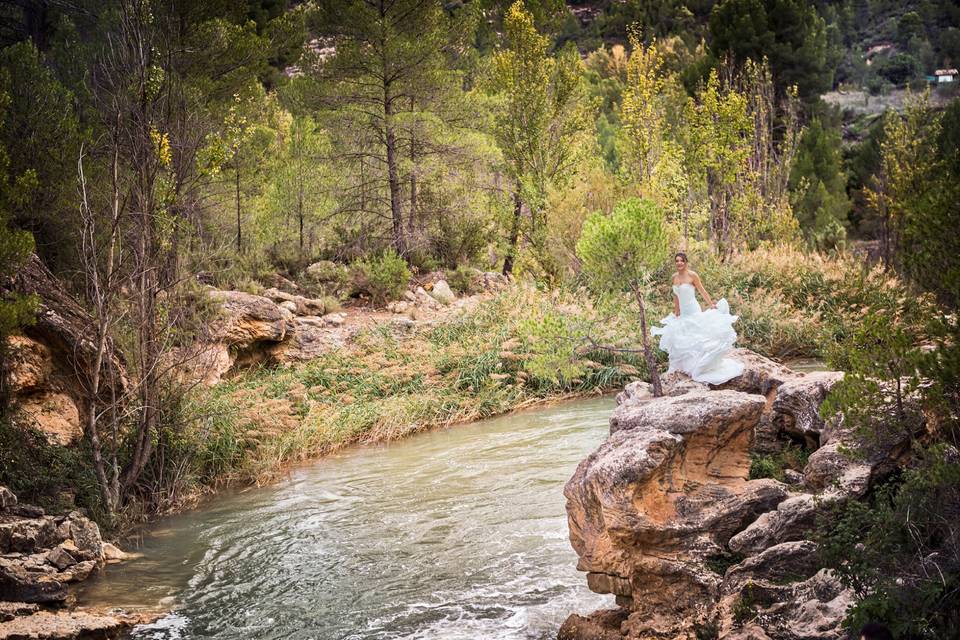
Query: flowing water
point(451, 534)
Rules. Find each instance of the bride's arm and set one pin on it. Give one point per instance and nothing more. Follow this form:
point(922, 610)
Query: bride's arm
point(703, 292)
point(676, 305)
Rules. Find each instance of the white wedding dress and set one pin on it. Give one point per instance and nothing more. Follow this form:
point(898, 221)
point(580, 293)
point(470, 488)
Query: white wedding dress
point(698, 341)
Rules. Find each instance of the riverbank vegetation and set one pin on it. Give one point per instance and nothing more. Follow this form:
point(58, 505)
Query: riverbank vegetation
point(153, 150)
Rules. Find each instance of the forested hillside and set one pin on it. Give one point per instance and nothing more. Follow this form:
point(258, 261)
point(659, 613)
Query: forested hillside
point(176, 162)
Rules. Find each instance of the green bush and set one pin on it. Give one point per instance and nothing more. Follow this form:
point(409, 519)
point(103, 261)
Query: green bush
point(900, 551)
point(463, 280)
point(773, 465)
point(382, 278)
point(66, 479)
point(326, 278)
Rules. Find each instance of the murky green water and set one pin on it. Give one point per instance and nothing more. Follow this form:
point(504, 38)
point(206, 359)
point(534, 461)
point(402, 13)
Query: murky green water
point(454, 534)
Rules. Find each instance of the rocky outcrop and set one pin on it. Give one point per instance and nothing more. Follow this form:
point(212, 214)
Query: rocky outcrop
point(49, 365)
point(40, 557)
point(665, 516)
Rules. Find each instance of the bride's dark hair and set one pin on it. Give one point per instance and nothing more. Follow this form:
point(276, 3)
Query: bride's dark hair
point(680, 254)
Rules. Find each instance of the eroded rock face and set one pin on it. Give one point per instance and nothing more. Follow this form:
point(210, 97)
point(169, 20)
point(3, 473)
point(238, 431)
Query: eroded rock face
point(661, 509)
point(40, 555)
point(69, 625)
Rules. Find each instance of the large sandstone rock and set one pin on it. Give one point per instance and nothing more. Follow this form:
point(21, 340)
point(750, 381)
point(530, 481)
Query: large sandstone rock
point(67, 625)
point(17, 584)
point(797, 404)
point(49, 365)
point(669, 486)
point(247, 319)
point(310, 338)
point(41, 554)
point(657, 513)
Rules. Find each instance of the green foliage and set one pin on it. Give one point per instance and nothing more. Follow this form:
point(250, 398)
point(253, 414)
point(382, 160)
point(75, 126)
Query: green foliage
point(818, 186)
point(721, 562)
point(773, 465)
point(899, 551)
point(914, 194)
point(50, 476)
point(745, 606)
point(382, 278)
point(541, 118)
point(880, 358)
point(463, 280)
point(626, 249)
point(789, 33)
point(899, 68)
point(41, 135)
point(15, 247)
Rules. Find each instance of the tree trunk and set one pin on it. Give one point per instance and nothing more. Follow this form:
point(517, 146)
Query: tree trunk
point(300, 179)
point(647, 347)
point(239, 232)
point(393, 175)
point(514, 233)
point(412, 214)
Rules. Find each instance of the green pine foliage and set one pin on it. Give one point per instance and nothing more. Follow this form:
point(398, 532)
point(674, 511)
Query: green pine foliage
point(818, 186)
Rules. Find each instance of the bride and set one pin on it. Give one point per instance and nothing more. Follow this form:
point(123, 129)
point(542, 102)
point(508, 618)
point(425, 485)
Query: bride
point(696, 340)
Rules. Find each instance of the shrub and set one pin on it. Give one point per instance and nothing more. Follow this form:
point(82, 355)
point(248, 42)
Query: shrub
point(773, 465)
point(900, 551)
point(463, 280)
point(326, 278)
point(63, 470)
point(383, 278)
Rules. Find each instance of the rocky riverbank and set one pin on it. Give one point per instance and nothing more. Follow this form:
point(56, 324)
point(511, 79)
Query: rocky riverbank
point(41, 558)
point(666, 516)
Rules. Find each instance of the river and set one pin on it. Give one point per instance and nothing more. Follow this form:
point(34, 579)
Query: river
point(452, 534)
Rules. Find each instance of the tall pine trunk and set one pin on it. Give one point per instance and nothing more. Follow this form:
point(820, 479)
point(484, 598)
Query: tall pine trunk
point(514, 233)
point(393, 173)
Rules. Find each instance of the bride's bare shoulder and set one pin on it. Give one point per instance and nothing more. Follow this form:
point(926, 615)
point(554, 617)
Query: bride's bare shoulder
point(694, 275)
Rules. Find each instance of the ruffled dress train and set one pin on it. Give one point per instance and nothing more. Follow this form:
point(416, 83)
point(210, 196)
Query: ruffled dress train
point(698, 341)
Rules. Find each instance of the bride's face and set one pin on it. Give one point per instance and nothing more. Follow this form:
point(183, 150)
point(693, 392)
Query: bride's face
point(681, 263)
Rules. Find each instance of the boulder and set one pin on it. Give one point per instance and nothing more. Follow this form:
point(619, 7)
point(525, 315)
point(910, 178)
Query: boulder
point(66, 625)
point(442, 293)
point(309, 338)
point(10, 610)
point(660, 509)
point(672, 384)
point(28, 535)
point(300, 305)
point(7, 499)
point(78, 572)
point(246, 320)
point(17, 584)
point(792, 520)
point(425, 300)
point(281, 283)
point(49, 365)
point(325, 271)
point(760, 375)
point(60, 558)
point(112, 554)
point(600, 625)
point(335, 319)
point(667, 489)
point(797, 405)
